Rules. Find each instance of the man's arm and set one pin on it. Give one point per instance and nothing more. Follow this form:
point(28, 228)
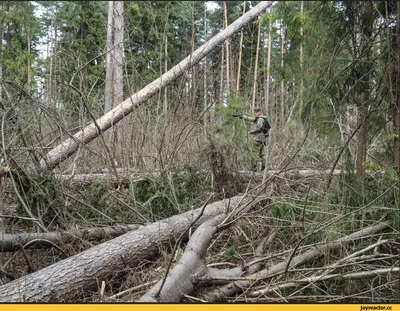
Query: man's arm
point(259, 126)
point(251, 119)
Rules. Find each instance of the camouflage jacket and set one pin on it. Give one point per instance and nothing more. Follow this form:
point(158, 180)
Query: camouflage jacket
point(257, 131)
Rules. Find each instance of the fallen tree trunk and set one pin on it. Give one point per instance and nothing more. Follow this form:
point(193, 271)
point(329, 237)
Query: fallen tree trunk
point(64, 280)
point(11, 242)
point(126, 176)
point(337, 276)
point(240, 285)
point(186, 274)
point(129, 176)
point(64, 150)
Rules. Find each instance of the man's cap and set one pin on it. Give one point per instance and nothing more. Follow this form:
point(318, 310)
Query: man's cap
point(257, 109)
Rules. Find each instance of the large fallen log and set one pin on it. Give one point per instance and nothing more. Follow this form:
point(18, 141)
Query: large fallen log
point(68, 147)
point(64, 280)
point(10, 242)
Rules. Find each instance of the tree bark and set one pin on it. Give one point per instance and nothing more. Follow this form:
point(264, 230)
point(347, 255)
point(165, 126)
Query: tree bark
point(240, 53)
point(181, 279)
point(2, 16)
point(337, 276)
point(227, 56)
point(193, 72)
point(108, 93)
point(186, 274)
point(118, 52)
point(221, 83)
point(68, 147)
point(205, 73)
point(301, 58)
point(268, 78)
point(282, 91)
point(396, 106)
point(165, 105)
point(50, 90)
point(64, 280)
point(253, 103)
point(48, 239)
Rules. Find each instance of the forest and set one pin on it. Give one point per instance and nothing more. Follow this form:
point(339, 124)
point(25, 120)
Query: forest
point(129, 171)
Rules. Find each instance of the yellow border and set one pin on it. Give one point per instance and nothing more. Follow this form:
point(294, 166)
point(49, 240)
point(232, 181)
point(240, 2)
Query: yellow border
point(201, 307)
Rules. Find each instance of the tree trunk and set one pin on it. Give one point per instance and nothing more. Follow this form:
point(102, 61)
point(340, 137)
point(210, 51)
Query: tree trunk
point(227, 63)
point(221, 84)
point(268, 78)
point(193, 72)
point(301, 59)
point(63, 280)
point(50, 91)
point(108, 94)
point(180, 279)
point(253, 103)
point(68, 147)
point(165, 106)
point(240, 53)
point(10, 242)
point(185, 275)
point(396, 106)
point(29, 73)
point(237, 286)
point(119, 52)
point(2, 16)
point(282, 91)
point(362, 139)
point(205, 73)
point(362, 85)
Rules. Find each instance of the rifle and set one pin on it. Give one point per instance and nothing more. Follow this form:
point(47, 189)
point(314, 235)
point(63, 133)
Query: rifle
point(237, 116)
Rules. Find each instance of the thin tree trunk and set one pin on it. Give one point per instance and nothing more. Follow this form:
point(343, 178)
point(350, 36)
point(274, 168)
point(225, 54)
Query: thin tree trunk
point(237, 286)
point(165, 70)
point(2, 16)
point(55, 62)
point(268, 78)
point(193, 72)
point(265, 84)
point(205, 72)
point(108, 94)
point(29, 75)
point(8, 242)
point(396, 106)
point(240, 53)
point(119, 52)
point(282, 91)
point(50, 90)
point(363, 85)
point(301, 60)
point(68, 147)
point(253, 102)
point(361, 144)
point(222, 87)
point(227, 51)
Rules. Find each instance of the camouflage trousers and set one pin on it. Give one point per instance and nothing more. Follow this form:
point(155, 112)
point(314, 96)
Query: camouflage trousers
point(260, 144)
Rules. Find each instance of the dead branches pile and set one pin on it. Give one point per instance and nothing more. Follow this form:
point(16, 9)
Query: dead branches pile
point(264, 273)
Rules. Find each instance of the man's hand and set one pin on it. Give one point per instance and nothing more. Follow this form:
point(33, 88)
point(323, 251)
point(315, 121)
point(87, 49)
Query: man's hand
point(253, 132)
point(237, 116)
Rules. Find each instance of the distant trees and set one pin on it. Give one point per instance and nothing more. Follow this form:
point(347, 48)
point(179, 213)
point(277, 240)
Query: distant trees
point(304, 61)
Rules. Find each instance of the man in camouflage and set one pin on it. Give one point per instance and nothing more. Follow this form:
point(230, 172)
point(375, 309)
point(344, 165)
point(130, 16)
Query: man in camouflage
point(260, 131)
